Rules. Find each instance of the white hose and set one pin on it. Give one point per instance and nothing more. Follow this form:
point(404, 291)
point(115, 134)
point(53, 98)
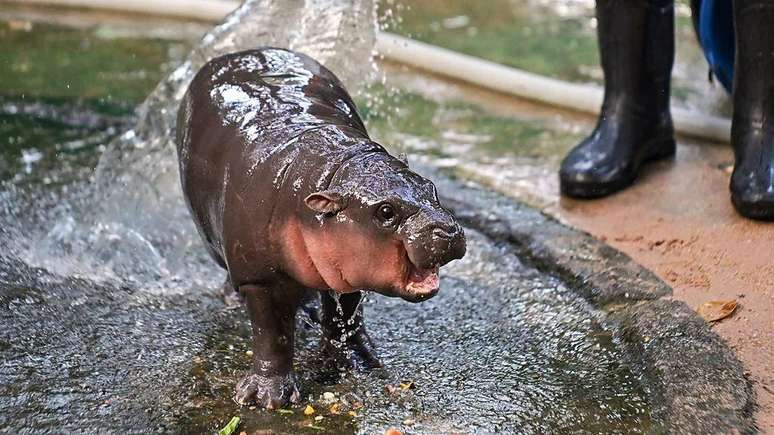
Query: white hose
point(585, 98)
point(490, 75)
point(206, 10)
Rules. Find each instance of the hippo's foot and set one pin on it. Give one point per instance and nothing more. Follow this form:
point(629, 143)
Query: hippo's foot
point(356, 352)
point(270, 392)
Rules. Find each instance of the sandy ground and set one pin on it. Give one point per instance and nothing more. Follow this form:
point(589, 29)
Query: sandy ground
point(678, 221)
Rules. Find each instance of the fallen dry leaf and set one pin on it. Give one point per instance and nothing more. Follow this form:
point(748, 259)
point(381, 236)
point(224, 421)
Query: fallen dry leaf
point(308, 410)
point(713, 311)
point(393, 431)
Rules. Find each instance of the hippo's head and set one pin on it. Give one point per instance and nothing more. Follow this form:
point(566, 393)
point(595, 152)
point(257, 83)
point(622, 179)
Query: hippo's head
point(382, 228)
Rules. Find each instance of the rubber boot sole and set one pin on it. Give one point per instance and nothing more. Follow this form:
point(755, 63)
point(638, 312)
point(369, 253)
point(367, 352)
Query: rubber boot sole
point(661, 150)
point(762, 210)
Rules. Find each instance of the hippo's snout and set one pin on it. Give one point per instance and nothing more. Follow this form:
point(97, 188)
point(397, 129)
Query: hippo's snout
point(444, 233)
point(434, 244)
point(438, 241)
point(449, 242)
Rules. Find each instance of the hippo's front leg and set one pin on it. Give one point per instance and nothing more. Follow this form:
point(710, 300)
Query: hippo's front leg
point(344, 332)
point(272, 383)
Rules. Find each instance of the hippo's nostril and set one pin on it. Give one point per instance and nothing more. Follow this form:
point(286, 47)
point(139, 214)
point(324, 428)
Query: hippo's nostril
point(440, 232)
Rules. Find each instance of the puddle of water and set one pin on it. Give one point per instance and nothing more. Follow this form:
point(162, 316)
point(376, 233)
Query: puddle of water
point(78, 356)
point(135, 340)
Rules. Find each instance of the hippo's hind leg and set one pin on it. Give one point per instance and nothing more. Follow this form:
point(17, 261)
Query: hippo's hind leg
point(272, 382)
point(345, 336)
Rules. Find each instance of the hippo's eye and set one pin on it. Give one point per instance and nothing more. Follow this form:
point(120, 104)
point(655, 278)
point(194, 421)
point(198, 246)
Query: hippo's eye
point(385, 213)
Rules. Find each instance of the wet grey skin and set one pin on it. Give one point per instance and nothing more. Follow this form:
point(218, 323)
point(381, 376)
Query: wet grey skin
point(291, 196)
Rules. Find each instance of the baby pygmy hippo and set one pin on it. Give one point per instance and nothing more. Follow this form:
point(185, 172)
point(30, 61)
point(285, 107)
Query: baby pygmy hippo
point(290, 195)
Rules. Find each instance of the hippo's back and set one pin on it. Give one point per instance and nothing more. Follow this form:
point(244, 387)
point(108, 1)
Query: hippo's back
point(238, 131)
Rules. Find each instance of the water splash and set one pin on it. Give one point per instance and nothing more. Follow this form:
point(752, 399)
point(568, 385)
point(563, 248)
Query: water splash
point(131, 223)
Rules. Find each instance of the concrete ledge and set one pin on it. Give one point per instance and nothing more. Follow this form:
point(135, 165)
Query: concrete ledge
point(695, 382)
point(603, 275)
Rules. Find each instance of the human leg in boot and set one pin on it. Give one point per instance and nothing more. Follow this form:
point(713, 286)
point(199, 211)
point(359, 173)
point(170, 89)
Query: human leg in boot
point(636, 44)
point(752, 131)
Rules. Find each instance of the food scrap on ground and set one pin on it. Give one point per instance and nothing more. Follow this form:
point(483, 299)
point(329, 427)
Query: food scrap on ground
point(329, 397)
point(334, 409)
point(403, 385)
point(231, 427)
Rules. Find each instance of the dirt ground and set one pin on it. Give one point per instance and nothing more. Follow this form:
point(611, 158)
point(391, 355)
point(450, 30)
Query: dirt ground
point(678, 221)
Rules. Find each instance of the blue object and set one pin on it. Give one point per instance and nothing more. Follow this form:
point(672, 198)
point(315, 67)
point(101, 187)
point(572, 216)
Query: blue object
point(715, 28)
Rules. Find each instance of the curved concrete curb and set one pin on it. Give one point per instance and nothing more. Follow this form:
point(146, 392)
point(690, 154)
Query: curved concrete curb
point(696, 384)
point(694, 381)
point(602, 274)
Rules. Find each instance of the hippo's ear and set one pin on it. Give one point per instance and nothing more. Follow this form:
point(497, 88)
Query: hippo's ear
point(327, 202)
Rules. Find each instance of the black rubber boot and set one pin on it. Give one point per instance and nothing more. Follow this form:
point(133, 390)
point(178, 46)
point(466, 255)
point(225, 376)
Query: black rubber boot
point(752, 132)
point(636, 44)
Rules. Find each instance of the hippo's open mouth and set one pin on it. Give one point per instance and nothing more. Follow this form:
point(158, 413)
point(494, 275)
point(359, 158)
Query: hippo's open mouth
point(422, 280)
point(421, 283)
